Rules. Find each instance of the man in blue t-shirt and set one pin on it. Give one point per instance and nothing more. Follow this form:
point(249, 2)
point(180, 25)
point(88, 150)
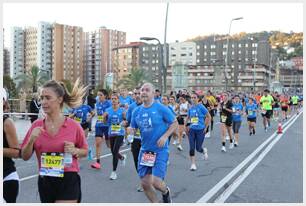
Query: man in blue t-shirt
point(156, 123)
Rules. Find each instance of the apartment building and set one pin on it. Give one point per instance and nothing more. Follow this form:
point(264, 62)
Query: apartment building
point(67, 52)
point(30, 48)
point(125, 58)
point(6, 62)
point(44, 47)
point(17, 52)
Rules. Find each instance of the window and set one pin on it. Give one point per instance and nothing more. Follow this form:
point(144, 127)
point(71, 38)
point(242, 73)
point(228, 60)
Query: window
point(212, 46)
point(183, 55)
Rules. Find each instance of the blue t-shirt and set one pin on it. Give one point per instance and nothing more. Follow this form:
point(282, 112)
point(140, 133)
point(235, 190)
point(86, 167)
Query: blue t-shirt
point(123, 101)
point(131, 108)
point(171, 109)
point(114, 121)
point(80, 113)
point(251, 110)
point(153, 122)
point(101, 108)
point(197, 113)
point(236, 115)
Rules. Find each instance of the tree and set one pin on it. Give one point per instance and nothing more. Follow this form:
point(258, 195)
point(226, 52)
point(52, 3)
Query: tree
point(32, 79)
point(135, 79)
point(9, 84)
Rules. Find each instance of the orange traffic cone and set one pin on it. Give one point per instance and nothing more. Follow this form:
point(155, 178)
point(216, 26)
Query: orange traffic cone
point(279, 129)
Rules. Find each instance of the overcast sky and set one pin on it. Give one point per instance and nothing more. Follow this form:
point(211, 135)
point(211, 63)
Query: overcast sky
point(185, 20)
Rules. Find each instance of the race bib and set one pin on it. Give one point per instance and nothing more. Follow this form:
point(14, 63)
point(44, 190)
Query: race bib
point(223, 118)
point(78, 119)
point(100, 118)
point(115, 128)
point(52, 164)
point(148, 159)
point(194, 120)
point(251, 113)
point(137, 133)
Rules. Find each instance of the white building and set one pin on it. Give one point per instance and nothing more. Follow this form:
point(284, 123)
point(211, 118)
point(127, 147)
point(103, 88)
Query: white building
point(44, 47)
point(17, 52)
point(182, 52)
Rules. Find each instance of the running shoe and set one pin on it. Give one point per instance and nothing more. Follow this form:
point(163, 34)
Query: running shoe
point(223, 149)
point(139, 188)
point(193, 167)
point(207, 135)
point(174, 142)
point(96, 165)
point(266, 129)
point(123, 161)
point(179, 147)
point(113, 175)
point(231, 146)
point(205, 153)
point(227, 137)
point(236, 144)
point(167, 196)
point(250, 133)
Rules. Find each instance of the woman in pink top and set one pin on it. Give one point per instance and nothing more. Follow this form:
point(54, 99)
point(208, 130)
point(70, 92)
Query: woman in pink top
point(58, 142)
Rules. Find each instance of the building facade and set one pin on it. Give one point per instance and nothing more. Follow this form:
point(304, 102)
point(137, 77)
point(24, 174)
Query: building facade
point(183, 53)
point(44, 47)
point(67, 52)
point(30, 48)
point(17, 52)
point(125, 58)
point(6, 62)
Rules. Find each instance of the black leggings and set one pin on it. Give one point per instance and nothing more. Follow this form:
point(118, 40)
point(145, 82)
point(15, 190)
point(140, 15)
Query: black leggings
point(135, 148)
point(10, 190)
point(115, 143)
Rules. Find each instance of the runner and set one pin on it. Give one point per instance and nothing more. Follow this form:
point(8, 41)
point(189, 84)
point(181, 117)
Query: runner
point(284, 101)
point(250, 110)
point(226, 121)
point(115, 117)
point(175, 108)
point(156, 123)
point(276, 106)
point(83, 115)
point(136, 138)
point(58, 142)
point(101, 127)
point(183, 109)
point(266, 102)
point(199, 119)
point(213, 110)
point(237, 112)
point(10, 150)
point(165, 101)
point(295, 100)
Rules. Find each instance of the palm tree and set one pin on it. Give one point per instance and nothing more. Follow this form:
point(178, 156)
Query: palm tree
point(135, 79)
point(32, 79)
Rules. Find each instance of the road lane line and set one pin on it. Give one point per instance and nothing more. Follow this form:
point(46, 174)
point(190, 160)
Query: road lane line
point(206, 197)
point(103, 156)
point(223, 197)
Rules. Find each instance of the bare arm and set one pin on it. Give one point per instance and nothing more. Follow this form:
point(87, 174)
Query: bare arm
point(11, 136)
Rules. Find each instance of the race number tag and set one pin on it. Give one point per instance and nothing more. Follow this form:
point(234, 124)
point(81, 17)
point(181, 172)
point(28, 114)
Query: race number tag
point(194, 120)
point(223, 118)
point(251, 113)
point(78, 119)
point(100, 118)
point(52, 164)
point(137, 133)
point(115, 128)
point(148, 159)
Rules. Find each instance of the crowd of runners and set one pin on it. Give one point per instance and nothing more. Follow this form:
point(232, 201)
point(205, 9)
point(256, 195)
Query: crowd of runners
point(144, 119)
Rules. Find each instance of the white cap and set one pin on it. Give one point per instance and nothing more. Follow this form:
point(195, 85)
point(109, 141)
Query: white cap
point(3, 93)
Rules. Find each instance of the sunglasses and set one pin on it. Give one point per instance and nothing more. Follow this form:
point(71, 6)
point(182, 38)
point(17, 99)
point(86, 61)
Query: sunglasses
point(136, 93)
point(146, 89)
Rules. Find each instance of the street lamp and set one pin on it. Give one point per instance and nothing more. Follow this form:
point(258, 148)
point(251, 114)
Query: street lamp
point(226, 61)
point(161, 65)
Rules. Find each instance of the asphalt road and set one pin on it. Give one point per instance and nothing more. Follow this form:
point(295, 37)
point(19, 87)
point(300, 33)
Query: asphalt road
point(277, 178)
